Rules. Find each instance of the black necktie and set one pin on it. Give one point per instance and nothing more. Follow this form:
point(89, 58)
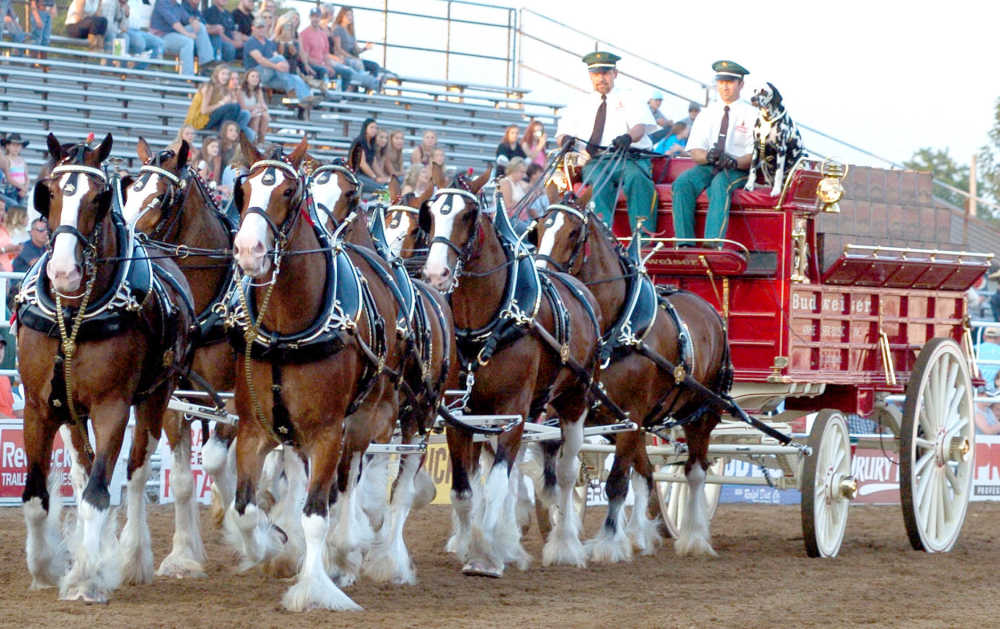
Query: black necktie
point(720, 144)
point(595, 137)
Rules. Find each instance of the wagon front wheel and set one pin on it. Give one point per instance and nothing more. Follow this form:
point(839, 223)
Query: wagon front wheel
point(827, 485)
point(937, 447)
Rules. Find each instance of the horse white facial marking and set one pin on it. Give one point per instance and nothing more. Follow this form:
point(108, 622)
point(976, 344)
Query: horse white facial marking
point(326, 192)
point(64, 268)
point(397, 228)
point(138, 201)
point(445, 208)
point(251, 243)
point(553, 226)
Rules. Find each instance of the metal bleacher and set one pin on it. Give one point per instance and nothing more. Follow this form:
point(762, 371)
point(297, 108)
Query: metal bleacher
point(73, 92)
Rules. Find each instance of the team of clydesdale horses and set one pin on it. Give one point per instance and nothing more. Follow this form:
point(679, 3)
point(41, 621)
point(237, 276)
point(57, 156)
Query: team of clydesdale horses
point(332, 347)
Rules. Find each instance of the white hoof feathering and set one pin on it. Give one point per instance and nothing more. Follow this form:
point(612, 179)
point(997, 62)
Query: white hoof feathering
point(611, 545)
point(424, 490)
point(694, 538)
point(564, 546)
point(641, 528)
point(96, 569)
point(45, 548)
point(462, 506)
point(252, 535)
point(286, 514)
point(508, 529)
point(136, 545)
point(484, 546)
point(313, 588)
point(187, 553)
point(389, 560)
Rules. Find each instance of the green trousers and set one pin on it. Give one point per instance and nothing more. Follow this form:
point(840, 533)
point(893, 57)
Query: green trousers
point(634, 176)
point(720, 186)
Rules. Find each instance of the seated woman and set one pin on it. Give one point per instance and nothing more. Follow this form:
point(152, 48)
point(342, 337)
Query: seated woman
point(379, 163)
point(251, 99)
point(508, 149)
point(347, 47)
point(424, 151)
point(363, 150)
point(186, 133)
point(215, 103)
point(512, 190)
point(393, 162)
point(418, 179)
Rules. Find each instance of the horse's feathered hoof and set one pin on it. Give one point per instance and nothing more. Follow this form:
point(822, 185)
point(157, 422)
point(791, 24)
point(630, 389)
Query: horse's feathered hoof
point(481, 569)
point(87, 595)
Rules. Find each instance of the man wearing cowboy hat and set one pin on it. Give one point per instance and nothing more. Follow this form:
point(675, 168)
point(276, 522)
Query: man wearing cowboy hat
point(602, 126)
point(721, 143)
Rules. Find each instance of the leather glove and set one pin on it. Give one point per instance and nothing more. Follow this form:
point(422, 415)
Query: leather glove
point(712, 156)
point(567, 142)
point(622, 142)
point(727, 162)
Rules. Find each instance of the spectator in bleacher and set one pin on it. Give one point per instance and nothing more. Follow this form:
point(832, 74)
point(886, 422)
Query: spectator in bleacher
point(16, 223)
point(363, 148)
point(138, 40)
point(83, 22)
point(657, 134)
point(539, 202)
point(513, 188)
point(316, 45)
point(438, 157)
point(186, 134)
point(252, 99)
point(346, 46)
point(210, 165)
point(40, 16)
point(261, 53)
point(215, 103)
point(237, 166)
point(221, 26)
point(693, 110)
point(229, 141)
point(422, 152)
point(674, 143)
point(15, 169)
point(418, 179)
point(181, 34)
point(379, 161)
point(33, 247)
point(394, 156)
point(533, 143)
point(11, 24)
point(286, 36)
point(8, 249)
point(508, 149)
point(243, 17)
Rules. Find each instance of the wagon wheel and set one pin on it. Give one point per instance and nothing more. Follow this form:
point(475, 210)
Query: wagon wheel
point(532, 468)
point(673, 497)
point(937, 447)
point(826, 484)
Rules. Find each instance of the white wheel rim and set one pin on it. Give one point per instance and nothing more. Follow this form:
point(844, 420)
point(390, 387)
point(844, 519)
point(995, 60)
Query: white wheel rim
point(942, 473)
point(833, 465)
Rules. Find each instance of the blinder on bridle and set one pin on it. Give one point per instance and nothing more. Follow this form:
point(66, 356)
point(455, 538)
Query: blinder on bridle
point(322, 174)
point(171, 197)
point(581, 239)
point(282, 231)
point(465, 251)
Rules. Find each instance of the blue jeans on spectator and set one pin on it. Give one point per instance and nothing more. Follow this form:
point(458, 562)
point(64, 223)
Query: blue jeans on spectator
point(43, 35)
point(231, 111)
point(227, 50)
point(368, 184)
point(185, 48)
point(284, 81)
point(140, 41)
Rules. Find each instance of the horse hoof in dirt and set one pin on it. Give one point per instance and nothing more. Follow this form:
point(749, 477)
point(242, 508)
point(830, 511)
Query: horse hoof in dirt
point(694, 546)
point(177, 567)
point(481, 569)
point(609, 547)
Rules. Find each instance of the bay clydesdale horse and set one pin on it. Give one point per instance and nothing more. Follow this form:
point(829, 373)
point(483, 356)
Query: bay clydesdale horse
point(530, 341)
point(642, 328)
point(314, 340)
point(101, 327)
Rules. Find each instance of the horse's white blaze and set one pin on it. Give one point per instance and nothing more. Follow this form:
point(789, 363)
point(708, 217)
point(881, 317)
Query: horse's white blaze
point(694, 537)
point(64, 268)
point(396, 235)
point(327, 194)
point(251, 240)
point(138, 201)
point(137, 549)
point(548, 243)
point(444, 226)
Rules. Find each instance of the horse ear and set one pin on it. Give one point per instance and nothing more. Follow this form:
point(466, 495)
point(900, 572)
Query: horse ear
point(182, 154)
point(238, 193)
point(299, 152)
point(422, 200)
point(775, 95)
point(55, 148)
point(482, 180)
point(437, 175)
point(584, 197)
point(552, 191)
point(41, 196)
point(248, 149)
point(354, 156)
point(394, 188)
point(142, 150)
point(105, 148)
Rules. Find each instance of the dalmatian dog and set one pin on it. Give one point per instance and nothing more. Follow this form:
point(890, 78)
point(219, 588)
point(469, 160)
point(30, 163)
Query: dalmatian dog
point(777, 144)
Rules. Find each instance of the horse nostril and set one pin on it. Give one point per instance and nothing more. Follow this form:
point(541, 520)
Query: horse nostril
point(445, 272)
point(258, 249)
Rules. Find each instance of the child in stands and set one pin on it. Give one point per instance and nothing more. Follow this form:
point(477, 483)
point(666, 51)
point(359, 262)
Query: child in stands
point(15, 169)
point(252, 99)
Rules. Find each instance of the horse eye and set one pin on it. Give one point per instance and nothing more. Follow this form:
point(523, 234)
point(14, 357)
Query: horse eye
point(287, 192)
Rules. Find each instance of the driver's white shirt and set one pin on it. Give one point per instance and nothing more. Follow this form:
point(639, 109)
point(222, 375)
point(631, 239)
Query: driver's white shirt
point(624, 112)
point(739, 138)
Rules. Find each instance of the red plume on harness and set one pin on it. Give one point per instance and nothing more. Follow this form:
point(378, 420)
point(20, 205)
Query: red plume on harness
point(90, 138)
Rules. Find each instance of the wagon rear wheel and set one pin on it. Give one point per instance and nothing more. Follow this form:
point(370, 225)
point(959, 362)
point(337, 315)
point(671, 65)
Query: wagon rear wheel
point(937, 447)
point(826, 484)
point(673, 496)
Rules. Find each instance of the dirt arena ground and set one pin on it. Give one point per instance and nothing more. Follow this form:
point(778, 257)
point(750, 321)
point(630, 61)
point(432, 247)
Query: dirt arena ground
point(761, 579)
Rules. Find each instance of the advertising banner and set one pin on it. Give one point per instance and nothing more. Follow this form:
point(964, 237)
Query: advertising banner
point(202, 481)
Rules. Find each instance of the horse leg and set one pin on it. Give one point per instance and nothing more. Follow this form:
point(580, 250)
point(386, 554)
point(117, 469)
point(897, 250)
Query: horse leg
point(611, 545)
point(389, 559)
point(313, 587)
point(219, 460)
point(346, 538)
point(463, 492)
point(246, 526)
point(694, 538)
point(489, 551)
point(287, 511)
point(96, 569)
point(270, 476)
point(547, 492)
point(45, 547)
point(187, 554)
point(641, 529)
point(79, 468)
point(137, 548)
point(563, 545)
